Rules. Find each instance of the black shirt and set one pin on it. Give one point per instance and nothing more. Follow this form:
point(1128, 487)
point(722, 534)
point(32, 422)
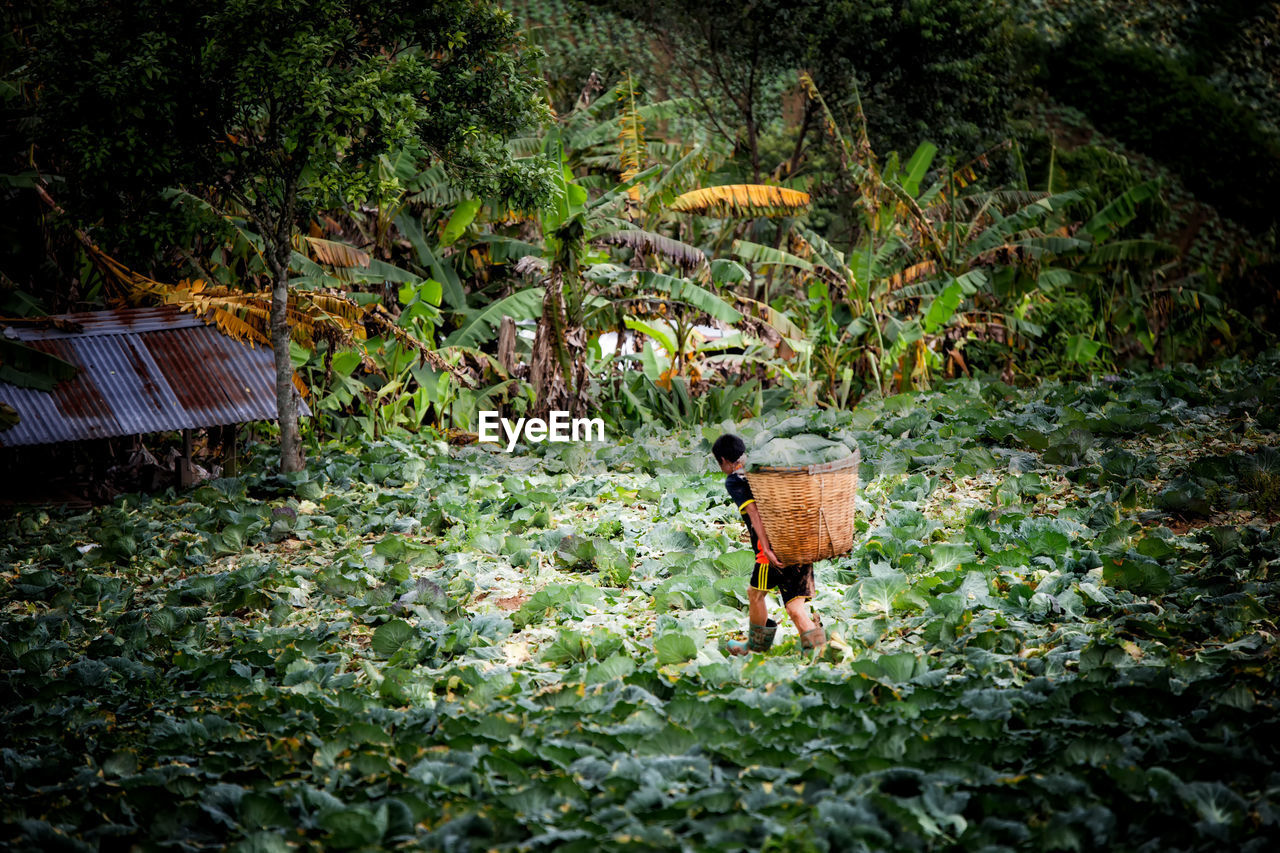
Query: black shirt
point(740, 491)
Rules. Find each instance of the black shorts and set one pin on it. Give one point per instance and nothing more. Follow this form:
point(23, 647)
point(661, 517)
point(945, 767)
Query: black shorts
point(790, 581)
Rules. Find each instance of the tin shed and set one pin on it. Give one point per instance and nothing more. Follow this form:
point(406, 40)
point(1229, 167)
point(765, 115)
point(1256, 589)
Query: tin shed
point(139, 370)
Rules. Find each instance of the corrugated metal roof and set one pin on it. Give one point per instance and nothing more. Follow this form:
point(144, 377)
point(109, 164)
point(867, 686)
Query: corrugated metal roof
point(140, 370)
point(116, 322)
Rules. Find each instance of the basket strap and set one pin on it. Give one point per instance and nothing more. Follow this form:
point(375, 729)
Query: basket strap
point(822, 512)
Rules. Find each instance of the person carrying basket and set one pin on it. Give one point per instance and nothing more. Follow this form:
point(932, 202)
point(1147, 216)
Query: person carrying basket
point(793, 583)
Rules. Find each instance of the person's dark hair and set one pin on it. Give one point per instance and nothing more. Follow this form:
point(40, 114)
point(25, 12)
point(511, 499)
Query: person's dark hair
point(728, 448)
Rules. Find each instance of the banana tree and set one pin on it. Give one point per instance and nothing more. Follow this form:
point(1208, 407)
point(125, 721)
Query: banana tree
point(613, 199)
point(933, 264)
point(575, 229)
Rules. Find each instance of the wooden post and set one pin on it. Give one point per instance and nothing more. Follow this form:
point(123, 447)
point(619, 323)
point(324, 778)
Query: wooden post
point(186, 473)
point(507, 334)
point(230, 461)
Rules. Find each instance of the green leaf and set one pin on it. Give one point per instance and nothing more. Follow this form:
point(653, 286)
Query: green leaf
point(726, 271)
point(661, 333)
point(504, 250)
point(345, 362)
point(1121, 210)
point(354, 827)
point(737, 563)
point(946, 302)
point(615, 667)
point(1136, 573)
point(120, 764)
point(917, 166)
point(942, 308)
point(463, 214)
point(1155, 548)
point(1145, 251)
point(1082, 349)
point(570, 647)
point(946, 556)
point(1033, 438)
point(1045, 542)
point(754, 253)
point(1215, 803)
point(413, 230)
point(262, 842)
point(389, 637)
point(684, 290)
point(898, 667)
point(675, 648)
point(261, 811)
point(480, 324)
point(877, 594)
point(431, 292)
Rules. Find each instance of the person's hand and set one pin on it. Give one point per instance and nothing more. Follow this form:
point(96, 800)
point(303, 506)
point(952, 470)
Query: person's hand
point(768, 554)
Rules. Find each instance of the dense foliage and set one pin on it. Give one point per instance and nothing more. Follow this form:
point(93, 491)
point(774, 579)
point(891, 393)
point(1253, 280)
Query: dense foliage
point(248, 102)
point(960, 217)
point(1056, 630)
point(1223, 149)
point(942, 70)
point(963, 78)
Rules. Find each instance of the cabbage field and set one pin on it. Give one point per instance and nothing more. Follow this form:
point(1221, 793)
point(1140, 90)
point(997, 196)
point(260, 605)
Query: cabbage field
point(1057, 631)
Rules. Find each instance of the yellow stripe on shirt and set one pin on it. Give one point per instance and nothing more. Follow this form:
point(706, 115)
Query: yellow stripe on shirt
point(745, 504)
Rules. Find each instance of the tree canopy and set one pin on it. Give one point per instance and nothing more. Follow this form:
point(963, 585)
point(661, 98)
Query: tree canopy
point(939, 70)
point(247, 98)
point(280, 107)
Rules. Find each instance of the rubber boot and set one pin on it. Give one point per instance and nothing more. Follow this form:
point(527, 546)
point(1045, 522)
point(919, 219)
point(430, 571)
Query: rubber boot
point(762, 636)
point(815, 638)
point(760, 639)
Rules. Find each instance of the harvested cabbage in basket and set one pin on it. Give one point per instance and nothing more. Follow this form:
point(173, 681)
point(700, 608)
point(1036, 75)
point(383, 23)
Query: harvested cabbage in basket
point(797, 451)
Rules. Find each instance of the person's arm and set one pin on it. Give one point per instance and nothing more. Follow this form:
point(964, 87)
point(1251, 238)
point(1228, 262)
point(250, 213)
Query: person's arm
point(762, 538)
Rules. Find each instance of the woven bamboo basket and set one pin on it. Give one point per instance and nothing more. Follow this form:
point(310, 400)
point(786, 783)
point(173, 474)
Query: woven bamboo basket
point(808, 512)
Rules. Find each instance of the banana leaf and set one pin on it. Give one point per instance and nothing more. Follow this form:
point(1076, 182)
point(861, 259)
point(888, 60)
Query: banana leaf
point(480, 324)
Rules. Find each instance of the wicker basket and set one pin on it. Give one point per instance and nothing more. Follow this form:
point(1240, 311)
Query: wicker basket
point(808, 512)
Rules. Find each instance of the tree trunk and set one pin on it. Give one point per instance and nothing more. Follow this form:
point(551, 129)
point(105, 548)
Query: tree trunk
point(753, 148)
point(794, 162)
point(286, 395)
point(558, 364)
point(546, 362)
point(507, 335)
